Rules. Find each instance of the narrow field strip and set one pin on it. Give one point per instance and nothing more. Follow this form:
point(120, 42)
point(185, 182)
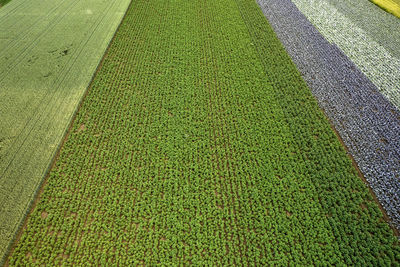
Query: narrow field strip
point(199, 143)
point(366, 121)
point(378, 24)
point(47, 63)
point(378, 64)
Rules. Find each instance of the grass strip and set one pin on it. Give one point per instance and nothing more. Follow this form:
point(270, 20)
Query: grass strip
point(199, 143)
point(375, 22)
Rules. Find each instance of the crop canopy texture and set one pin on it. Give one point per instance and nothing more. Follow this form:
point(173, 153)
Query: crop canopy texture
point(49, 50)
point(199, 143)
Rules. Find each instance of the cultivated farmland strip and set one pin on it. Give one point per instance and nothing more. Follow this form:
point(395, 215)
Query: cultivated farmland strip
point(381, 26)
point(199, 143)
point(377, 63)
point(367, 122)
point(27, 29)
point(51, 68)
point(294, 103)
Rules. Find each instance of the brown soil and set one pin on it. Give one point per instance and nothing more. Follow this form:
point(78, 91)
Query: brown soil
point(44, 215)
point(81, 128)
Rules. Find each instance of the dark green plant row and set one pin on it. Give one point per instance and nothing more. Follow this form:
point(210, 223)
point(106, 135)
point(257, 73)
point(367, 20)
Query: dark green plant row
point(199, 143)
point(339, 192)
point(4, 2)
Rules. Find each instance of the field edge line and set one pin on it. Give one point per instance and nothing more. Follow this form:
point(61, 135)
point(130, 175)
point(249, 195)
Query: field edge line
point(32, 204)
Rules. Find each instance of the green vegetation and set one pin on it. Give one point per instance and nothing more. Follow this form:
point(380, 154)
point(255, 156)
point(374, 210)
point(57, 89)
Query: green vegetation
point(49, 50)
point(4, 2)
point(199, 142)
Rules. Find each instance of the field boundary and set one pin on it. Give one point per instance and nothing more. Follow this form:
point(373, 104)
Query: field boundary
point(386, 217)
point(361, 176)
point(39, 191)
point(343, 91)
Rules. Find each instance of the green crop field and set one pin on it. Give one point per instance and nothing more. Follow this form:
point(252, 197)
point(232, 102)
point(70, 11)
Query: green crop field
point(199, 143)
point(49, 50)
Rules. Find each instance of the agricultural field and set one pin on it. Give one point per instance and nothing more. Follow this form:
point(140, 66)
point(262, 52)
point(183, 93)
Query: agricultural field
point(200, 143)
point(367, 121)
point(49, 50)
point(372, 58)
point(214, 132)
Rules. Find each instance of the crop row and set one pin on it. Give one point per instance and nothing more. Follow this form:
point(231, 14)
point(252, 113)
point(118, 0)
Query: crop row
point(199, 143)
point(296, 111)
point(367, 122)
point(378, 64)
point(375, 22)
